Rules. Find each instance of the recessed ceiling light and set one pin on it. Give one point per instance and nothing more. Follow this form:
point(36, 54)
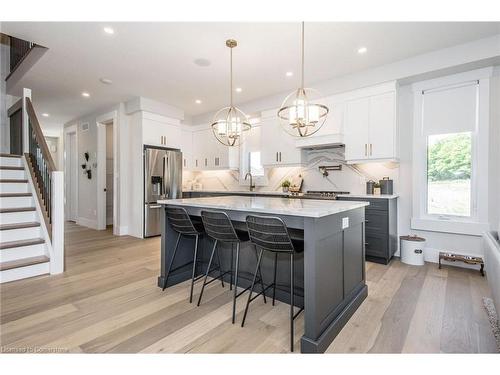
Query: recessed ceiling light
point(202, 62)
point(289, 74)
point(85, 94)
point(109, 30)
point(239, 89)
point(362, 50)
point(106, 81)
point(45, 115)
point(197, 101)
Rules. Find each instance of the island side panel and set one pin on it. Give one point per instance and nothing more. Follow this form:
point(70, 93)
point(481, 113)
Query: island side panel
point(334, 276)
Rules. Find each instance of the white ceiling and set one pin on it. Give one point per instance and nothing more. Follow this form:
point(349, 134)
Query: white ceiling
point(155, 60)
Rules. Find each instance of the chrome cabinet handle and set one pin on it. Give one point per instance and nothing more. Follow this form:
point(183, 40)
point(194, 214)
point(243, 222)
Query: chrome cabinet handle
point(276, 156)
point(280, 156)
point(155, 206)
point(205, 162)
point(371, 146)
point(366, 149)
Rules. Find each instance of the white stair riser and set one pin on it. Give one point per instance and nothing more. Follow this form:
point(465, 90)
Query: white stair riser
point(22, 252)
point(13, 187)
point(10, 162)
point(20, 234)
point(11, 202)
point(24, 272)
point(18, 217)
point(12, 173)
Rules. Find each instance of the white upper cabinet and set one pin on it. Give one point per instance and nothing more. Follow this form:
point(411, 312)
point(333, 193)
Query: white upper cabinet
point(209, 154)
point(278, 147)
point(187, 149)
point(161, 131)
point(370, 125)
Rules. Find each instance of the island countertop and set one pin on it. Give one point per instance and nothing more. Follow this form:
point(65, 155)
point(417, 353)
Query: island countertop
point(270, 205)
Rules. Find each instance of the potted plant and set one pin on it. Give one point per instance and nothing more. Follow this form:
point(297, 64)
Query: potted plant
point(286, 185)
point(376, 188)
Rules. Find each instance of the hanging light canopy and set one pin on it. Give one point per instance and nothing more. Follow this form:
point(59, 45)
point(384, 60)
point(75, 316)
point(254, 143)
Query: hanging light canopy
point(302, 114)
point(230, 123)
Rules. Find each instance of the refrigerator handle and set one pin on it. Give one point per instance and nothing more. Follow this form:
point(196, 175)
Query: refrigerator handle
point(166, 180)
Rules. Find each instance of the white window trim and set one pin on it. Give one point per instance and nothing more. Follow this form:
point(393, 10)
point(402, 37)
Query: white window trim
point(478, 222)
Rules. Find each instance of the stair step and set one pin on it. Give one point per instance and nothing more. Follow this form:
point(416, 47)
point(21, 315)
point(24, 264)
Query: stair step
point(9, 155)
point(11, 162)
point(18, 217)
point(15, 195)
point(16, 209)
point(11, 168)
point(19, 243)
point(23, 262)
point(28, 224)
point(13, 181)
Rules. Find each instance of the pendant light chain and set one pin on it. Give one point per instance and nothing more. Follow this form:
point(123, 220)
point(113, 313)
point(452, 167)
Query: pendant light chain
point(302, 82)
point(231, 74)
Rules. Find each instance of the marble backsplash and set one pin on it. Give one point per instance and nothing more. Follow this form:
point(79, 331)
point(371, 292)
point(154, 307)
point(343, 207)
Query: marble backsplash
point(351, 178)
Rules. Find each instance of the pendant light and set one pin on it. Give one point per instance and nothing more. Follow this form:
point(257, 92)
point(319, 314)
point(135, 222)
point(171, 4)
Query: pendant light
point(230, 123)
point(302, 114)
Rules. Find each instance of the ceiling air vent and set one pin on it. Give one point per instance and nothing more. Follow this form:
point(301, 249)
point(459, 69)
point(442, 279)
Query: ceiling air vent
point(85, 126)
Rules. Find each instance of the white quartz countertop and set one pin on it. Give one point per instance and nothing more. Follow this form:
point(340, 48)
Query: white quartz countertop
point(270, 205)
point(371, 196)
point(238, 192)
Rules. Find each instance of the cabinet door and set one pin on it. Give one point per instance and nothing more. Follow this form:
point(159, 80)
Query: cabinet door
point(288, 153)
point(382, 134)
point(334, 119)
point(187, 149)
point(270, 140)
point(356, 129)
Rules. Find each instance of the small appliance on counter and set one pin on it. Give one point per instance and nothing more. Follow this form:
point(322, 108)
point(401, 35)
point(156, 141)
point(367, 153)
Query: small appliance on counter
point(386, 186)
point(370, 187)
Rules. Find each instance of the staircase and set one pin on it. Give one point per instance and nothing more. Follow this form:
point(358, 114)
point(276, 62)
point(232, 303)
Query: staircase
point(23, 251)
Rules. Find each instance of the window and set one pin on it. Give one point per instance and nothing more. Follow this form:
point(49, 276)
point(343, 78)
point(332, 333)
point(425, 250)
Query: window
point(450, 153)
point(449, 170)
point(256, 168)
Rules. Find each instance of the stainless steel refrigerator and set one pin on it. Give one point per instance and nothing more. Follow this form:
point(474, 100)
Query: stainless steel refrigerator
point(162, 180)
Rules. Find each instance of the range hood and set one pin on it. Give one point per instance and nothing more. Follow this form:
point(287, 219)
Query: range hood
point(320, 142)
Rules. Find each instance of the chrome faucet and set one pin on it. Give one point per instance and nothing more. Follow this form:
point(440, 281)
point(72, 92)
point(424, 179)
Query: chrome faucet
point(252, 186)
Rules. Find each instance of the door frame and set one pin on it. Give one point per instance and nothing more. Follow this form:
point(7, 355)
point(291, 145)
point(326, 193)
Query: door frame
point(101, 122)
point(67, 131)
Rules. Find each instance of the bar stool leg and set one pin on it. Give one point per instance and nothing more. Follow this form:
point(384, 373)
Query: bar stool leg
point(206, 273)
point(274, 277)
point(171, 261)
point(231, 273)
point(194, 268)
point(259, 258)
point(291, 302)
point(236, 280)
point(261, 279)
point(220, 268)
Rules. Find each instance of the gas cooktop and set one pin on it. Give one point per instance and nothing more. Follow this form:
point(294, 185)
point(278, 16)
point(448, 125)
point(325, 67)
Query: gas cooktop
point(323, 194)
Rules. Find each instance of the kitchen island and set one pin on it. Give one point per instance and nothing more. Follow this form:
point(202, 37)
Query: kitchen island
point(330, 271)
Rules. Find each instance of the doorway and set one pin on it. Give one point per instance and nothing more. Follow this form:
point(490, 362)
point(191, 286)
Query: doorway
point(107, 198)
point(15, 115)
point(71, 172)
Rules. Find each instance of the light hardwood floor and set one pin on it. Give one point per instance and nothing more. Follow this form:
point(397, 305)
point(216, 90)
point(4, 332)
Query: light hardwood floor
point(108, 301)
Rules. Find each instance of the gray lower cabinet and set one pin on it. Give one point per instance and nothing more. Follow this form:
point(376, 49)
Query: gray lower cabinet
point(381, 239)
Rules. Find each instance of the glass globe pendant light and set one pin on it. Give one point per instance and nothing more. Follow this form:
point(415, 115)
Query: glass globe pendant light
point(230, 123)
point(302, 114)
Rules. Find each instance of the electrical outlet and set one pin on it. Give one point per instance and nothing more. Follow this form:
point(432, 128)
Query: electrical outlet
point(345, 222)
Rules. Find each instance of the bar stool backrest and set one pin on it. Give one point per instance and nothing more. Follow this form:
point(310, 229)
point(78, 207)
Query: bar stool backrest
point(218, 226)
point(269, 233)
point(180, 221)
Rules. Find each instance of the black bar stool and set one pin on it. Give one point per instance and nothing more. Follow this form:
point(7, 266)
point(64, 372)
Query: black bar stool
point(182, 224)
point(271, 234)
point(218, 226)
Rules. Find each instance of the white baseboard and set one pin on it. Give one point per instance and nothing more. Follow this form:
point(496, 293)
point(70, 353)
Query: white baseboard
point(122, 230)
point(87, 222)
point(431, 255)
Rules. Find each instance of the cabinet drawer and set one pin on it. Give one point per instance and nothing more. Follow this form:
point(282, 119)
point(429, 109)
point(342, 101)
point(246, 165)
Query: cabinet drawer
point(376, 245)
point(375, 203)
point(377, 221)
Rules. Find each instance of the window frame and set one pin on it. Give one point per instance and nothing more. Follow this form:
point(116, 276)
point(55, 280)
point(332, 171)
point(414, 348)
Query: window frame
point(478, 221)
